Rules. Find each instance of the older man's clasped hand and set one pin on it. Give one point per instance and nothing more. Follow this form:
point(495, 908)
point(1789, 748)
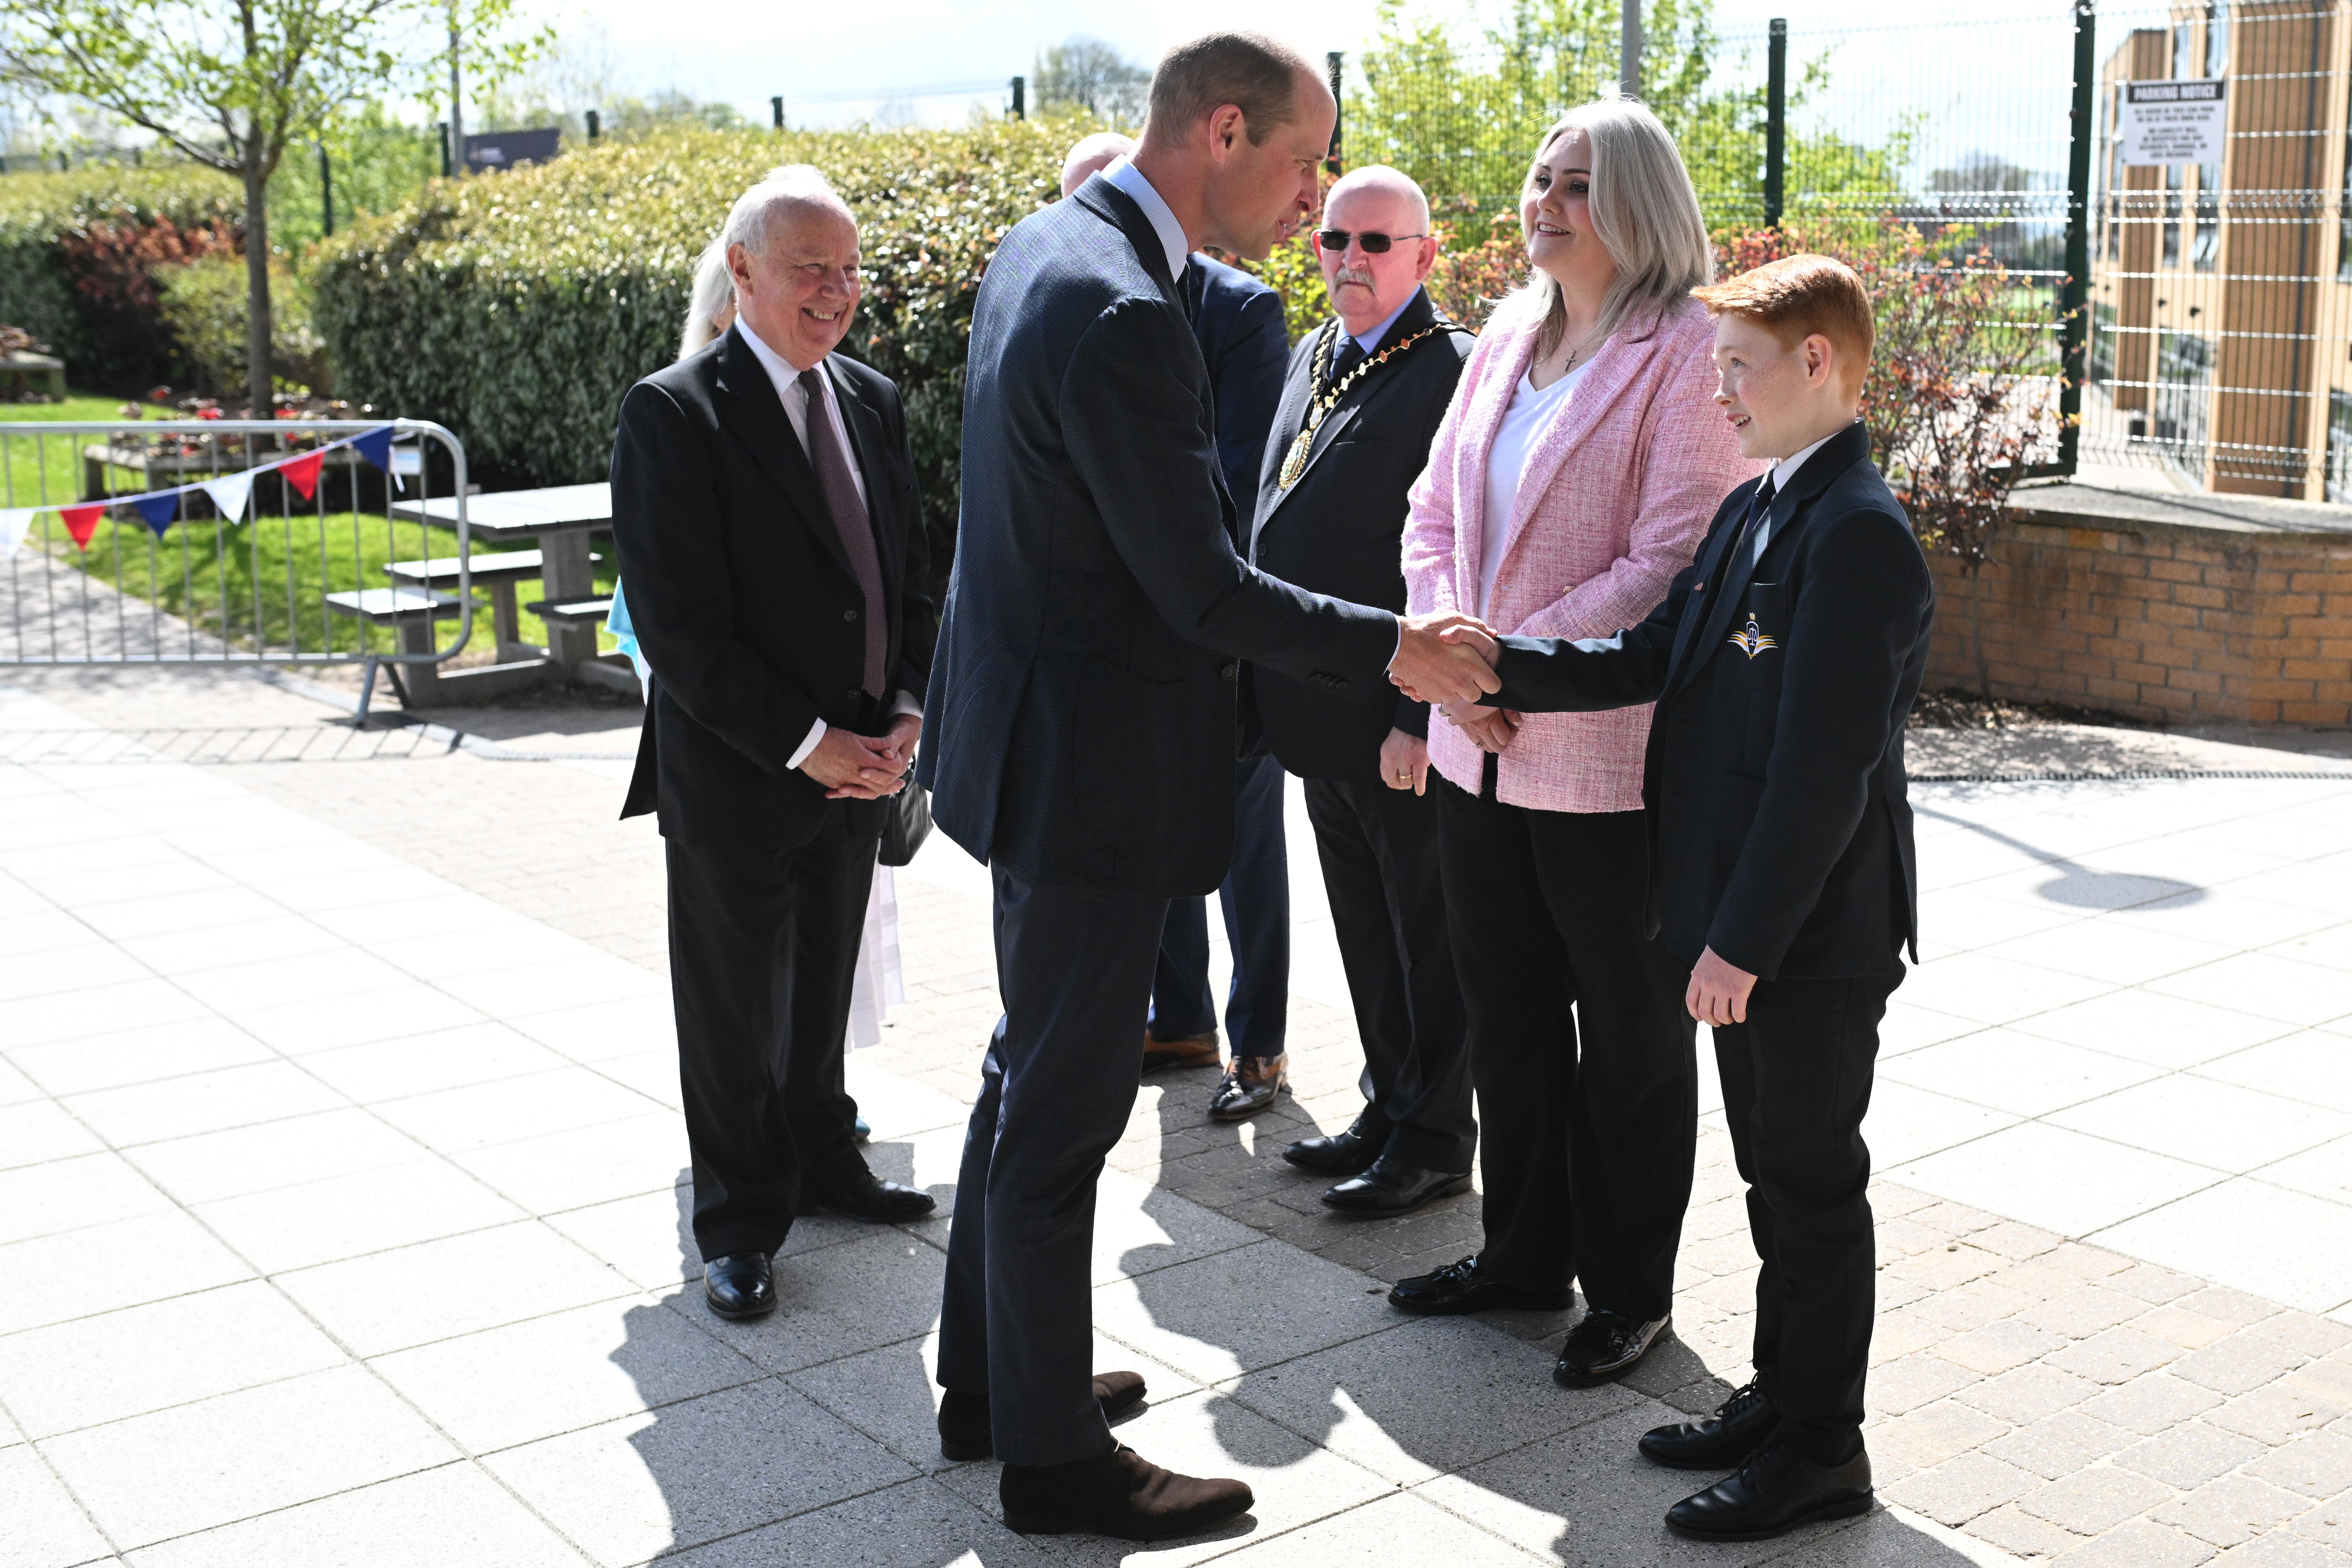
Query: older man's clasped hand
point(1454, 674)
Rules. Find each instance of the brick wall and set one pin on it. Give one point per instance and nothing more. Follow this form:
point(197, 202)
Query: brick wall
point(2155, 620)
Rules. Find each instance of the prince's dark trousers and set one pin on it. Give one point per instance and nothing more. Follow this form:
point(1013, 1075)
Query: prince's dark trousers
point(1796, 1085)
point(1055, 1090)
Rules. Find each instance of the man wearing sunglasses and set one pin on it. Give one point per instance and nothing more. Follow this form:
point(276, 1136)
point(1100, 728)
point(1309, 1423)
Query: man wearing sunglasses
point(1363, 396)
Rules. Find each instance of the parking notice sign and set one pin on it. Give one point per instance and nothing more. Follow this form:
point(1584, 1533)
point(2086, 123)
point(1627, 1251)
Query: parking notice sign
point(2165, 122)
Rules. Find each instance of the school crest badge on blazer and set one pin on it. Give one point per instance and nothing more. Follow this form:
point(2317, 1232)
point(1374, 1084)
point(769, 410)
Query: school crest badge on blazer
point(1750, 639)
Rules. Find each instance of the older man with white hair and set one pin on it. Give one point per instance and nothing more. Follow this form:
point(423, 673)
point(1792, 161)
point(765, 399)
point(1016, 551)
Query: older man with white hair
point(764, 504)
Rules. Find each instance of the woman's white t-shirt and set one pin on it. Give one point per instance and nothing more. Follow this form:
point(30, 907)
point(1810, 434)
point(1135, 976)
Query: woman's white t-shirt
point(1529, 414)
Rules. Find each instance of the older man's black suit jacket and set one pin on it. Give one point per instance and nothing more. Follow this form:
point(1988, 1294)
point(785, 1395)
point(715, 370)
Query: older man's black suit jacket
point(1339, 530)
point(1779, 828)
point(743, 597)
point(1079, 732)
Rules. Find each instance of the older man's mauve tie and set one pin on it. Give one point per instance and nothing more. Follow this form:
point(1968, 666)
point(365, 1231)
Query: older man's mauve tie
point(849, 516)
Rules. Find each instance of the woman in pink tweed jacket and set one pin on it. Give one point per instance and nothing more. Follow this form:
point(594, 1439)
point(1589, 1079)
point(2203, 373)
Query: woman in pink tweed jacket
point(1573, 478)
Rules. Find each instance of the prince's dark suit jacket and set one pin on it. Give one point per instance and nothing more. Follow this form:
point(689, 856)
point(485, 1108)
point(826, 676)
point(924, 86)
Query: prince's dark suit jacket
point(1079, 732)
point(743, 597)
point(1779, 828)
point(1339, 529)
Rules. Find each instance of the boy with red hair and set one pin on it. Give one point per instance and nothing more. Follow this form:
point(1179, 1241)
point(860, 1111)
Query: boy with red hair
point(1783, 664)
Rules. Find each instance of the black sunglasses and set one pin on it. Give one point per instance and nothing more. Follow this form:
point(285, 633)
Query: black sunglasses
point(1374, 244)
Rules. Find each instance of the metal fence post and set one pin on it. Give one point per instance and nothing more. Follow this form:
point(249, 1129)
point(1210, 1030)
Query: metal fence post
point(325, 192)
point(2074, 294)
point(1775, 122)
point(446, 168)
point(776, 109)
point(1629, 48)
point(1020, 98)
point(596, 125)
point(1339, 115)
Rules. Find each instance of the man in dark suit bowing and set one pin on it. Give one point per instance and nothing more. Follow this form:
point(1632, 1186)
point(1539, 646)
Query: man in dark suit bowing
point(1082, 733)
point(1783, 664)
point(1237, 322)
point(1364, 396)
point(763, 499)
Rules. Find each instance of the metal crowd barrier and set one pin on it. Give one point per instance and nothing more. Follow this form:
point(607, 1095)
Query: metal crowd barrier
point(193, 541)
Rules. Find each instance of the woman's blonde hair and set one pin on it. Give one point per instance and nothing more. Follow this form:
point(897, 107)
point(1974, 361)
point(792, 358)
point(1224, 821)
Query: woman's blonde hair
point(714, 290)
point(1644, 213)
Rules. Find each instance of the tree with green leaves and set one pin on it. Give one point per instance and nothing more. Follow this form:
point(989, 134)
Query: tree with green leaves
point(1089, 76)
point(232, 84)
point(1459, 100)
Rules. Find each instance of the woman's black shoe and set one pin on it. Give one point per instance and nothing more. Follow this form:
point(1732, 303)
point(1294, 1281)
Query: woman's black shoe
point(1740, 1425)
point(1460, 1288)
point(1774, 1490)
point(1604, 1346)
point(1343, 1154)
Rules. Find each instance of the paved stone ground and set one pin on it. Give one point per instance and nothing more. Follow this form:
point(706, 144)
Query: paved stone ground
point(485, 1343)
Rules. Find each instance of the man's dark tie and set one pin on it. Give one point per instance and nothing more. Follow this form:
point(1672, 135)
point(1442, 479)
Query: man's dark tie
point(840, 492)
point(1757, 509)
point(1352, 354)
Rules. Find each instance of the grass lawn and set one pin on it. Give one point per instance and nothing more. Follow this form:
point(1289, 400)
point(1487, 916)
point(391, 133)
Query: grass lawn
point(258, 583)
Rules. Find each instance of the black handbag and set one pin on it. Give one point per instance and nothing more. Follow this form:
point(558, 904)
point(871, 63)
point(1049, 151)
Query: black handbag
point(909, 824)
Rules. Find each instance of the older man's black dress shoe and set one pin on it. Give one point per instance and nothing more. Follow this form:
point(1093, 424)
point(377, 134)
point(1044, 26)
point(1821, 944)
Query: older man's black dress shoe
point(1391, 1186)
point(1604, 1346)
point(1461, 1288)
point(964, 1431)
point(739, 1286)
point(1343, 1154)
point(1119, 1493)
point(1740, 1425)
point(862, 1195)
point(1774, 1490)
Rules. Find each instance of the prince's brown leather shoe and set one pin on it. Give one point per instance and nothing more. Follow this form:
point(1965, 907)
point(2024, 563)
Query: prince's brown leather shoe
point(964, 1432)
point(1116, 1493)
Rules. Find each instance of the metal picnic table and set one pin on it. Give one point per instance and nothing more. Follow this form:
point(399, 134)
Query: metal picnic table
point(558, 519)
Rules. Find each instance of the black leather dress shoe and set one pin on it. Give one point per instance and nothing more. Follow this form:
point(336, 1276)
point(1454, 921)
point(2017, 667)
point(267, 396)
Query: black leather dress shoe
point(739, 1286)
point(1774, 1490)
point(964, 1432)
point(1604, 1346)
point(862, 1195)
point(1460, 1288)
point(1391, 1186)
point(1740, 1425)
point(1343, 1154)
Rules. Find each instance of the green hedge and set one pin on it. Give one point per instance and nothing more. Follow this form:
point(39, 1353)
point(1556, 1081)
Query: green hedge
point(41, 217)
point(518, 308)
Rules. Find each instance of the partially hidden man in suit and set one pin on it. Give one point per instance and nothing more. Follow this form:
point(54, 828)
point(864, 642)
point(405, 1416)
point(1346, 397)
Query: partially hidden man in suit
point(1237, 322)
point(1784, 663)
point(764, 504)
point(1362, 400)
point(1082, 733)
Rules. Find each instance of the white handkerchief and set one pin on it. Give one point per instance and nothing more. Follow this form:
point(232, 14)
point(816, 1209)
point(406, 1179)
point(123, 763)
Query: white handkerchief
point(14, 521)
point(229, 493)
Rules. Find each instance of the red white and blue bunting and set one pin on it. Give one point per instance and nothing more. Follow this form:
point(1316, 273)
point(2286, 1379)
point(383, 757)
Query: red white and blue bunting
point(230, 494)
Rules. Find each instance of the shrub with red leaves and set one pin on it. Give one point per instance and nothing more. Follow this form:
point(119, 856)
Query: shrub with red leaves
point(1962, 394)
point(112, 266)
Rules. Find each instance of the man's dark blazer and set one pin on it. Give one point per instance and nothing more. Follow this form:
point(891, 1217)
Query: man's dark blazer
point(1339, 530)
point(1237, 322)
point(742, 595)
point(1779, 826)
point(1080, 731)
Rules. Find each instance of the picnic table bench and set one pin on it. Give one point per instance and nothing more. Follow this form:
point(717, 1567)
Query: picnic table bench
point(497, 572)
